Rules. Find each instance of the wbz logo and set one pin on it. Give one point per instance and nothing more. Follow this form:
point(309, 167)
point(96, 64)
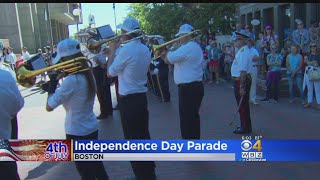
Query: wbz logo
point(248, 155)
point(246, 145)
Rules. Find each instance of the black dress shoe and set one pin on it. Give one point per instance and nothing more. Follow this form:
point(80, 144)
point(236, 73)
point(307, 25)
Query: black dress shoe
point(116, 108)
point(103, 116)
point(241, 131)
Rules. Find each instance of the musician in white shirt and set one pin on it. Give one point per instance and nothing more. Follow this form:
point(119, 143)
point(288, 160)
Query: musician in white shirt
point(11, 102)
point(131, 63)
point(76, 94)
point(187, 61)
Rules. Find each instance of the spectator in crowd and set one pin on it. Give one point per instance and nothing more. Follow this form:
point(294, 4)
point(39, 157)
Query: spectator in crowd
point(203, 44)
point(285, 51)
point(228, 59)
point(205, 67)
point(269, 38)
point(294, 71)
point(301, 37)
point(213, 55)
point(312, 61)
point(54, 54)
point(25, 54)
point(313, 32)
point(239, 29)
point(11, 58)
point(221, 59)
point(261, 63)
point(273, 76)
point(249, 32)
point(4, 55)
point(47, 56)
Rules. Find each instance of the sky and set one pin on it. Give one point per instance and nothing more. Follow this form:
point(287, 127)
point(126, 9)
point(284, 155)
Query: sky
point(103, 13)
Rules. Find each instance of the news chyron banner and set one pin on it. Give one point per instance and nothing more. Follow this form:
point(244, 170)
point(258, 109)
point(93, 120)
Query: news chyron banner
point(247, 149)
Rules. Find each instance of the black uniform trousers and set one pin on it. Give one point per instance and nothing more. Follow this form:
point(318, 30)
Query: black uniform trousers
point(93, 169)
point(164, 83)
point(190, 98)
point(135, 124)
point(103, 91)
point(244, 109)
point(9, 169)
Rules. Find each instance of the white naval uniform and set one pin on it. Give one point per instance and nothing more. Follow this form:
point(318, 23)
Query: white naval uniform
point(241, 62)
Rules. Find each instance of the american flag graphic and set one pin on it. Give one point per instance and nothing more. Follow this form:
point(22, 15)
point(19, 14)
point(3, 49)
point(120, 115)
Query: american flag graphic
point(24, 150)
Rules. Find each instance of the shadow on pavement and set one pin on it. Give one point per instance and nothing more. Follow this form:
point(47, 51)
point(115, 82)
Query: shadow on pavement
point(40, 170)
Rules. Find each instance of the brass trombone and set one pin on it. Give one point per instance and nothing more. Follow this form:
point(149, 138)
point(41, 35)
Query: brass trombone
point(94, 46)
point(27, 78)
point(160, 50)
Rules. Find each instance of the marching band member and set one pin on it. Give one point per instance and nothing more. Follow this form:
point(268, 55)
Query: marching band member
point(131, 64)
point(103, 93)
point(240, 71)
point(11, 103)
point(161, 73)
point(76, 94)
point(187, 61)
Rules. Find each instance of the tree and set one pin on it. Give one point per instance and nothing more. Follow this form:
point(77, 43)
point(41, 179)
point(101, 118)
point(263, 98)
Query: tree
point(166, 18)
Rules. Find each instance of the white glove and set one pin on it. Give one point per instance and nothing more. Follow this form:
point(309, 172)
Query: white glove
point(155, 71)
point(155, 63)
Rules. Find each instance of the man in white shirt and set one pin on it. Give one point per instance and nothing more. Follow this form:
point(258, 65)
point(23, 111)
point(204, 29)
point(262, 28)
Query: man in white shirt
point(240, 71)
point(187, 61)
point(11, 102)
point(103, 92)
point(255, 57)
point(11, 58)
point(25, 54)
point(76, 94)
point(131, 63)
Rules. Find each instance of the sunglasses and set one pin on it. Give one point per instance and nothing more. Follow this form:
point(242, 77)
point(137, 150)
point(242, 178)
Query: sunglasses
point(313, 46)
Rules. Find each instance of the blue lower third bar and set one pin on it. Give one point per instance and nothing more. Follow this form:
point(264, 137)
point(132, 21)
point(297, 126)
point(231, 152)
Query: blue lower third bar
point(154, 157)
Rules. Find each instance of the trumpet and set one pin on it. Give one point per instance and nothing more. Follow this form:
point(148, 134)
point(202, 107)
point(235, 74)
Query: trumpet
point(95, 46)
point(160, 50)
point(27, 78)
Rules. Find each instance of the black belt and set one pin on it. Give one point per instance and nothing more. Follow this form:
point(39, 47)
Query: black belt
point(131, 95)
point(238, 78)
point(190, 84)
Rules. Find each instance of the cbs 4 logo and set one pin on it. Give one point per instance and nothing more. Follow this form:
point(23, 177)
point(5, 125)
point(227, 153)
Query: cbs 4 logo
point(246, 145)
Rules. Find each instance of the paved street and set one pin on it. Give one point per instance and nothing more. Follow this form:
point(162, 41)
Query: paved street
point(272, 121)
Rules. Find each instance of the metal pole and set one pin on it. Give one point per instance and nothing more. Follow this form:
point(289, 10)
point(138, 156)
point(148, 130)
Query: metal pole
point(115, 18)
point(50, 27)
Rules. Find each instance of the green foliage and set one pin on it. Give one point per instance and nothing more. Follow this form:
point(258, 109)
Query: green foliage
point(166, 18)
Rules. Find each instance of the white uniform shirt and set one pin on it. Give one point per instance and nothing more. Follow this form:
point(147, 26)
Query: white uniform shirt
point(253, 52)
point(242, 62)
point(187, 61)
point(131, 65)
point(26, 55)
point(73, 95)
point(11, 102)
point(11, 58)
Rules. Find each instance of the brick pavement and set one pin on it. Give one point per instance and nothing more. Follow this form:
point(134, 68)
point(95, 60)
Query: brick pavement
point(273, 121)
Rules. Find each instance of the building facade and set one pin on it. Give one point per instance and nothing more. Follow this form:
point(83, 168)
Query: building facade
point(280, 15)
point(36, 25)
